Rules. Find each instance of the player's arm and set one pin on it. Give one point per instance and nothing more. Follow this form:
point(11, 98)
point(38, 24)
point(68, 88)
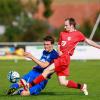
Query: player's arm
point(59, 52)
point(40, 63)
point(59, 44)
point(92, 43)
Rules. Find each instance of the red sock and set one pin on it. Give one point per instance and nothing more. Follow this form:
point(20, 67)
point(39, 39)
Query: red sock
point(72, 84)
point(30, 85)
point(37, 80)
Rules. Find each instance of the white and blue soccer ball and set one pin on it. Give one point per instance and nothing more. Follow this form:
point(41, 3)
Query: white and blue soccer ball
point(13, 76)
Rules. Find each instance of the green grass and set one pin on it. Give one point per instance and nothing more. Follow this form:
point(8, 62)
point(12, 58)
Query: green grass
point(81, 71)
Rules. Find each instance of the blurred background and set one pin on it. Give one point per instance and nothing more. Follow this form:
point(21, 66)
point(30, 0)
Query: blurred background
point(23, 22)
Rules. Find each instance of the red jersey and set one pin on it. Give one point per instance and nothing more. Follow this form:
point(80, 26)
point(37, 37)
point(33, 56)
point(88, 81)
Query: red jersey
point(68, 41)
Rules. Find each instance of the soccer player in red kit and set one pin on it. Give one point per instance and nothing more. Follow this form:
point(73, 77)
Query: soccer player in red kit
point(67, 42)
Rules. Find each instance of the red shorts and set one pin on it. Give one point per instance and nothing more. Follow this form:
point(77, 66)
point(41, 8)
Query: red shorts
point(62, 65)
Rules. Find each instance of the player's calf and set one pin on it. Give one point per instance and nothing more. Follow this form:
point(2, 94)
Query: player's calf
point(24, 84)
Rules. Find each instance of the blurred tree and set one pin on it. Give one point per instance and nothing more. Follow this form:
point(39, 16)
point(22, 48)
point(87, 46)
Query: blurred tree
point(13, 34)
point(17, 16)
point(48, 11)
point(36, 31)
point(86, 28)
point(30, 30)
point(9, 10)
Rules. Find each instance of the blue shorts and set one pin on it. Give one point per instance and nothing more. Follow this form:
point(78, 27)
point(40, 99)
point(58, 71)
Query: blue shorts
point(31, 76)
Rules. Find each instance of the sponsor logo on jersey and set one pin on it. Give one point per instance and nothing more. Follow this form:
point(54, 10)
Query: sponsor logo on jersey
point(69, 38)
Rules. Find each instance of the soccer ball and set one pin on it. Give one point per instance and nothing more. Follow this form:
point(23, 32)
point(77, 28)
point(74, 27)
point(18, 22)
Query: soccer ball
point(13, 76)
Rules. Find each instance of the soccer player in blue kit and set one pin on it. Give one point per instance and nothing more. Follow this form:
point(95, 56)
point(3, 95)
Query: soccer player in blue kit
point(47, 58)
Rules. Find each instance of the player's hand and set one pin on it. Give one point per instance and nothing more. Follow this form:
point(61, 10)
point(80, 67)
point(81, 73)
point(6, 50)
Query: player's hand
point(28, 55)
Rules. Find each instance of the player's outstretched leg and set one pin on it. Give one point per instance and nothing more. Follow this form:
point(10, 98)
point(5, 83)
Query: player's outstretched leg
point(72, 84)
point(82, 87)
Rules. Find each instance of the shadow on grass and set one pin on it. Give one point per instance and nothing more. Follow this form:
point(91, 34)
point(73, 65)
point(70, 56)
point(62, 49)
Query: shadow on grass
point(49, 94)
point(60, 93)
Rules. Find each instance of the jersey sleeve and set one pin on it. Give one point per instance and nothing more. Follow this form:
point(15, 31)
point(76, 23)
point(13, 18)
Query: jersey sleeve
point(81, 37)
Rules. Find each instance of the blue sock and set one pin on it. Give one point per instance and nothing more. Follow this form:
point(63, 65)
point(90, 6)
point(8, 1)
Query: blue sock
point(15, 85)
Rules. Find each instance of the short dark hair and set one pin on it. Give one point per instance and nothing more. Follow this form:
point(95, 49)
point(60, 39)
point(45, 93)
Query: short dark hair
point(71, 21)
point(49, 38)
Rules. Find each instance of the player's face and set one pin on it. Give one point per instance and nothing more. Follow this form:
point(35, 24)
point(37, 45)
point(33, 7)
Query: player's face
point(48, 46)
point(67, 26)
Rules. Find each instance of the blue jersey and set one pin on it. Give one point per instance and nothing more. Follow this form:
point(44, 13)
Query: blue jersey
point(46, 56)
point(37, 70)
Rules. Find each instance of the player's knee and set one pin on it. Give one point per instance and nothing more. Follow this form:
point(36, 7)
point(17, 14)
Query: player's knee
point(46, 72)
point(25, 93)
point(64, 82)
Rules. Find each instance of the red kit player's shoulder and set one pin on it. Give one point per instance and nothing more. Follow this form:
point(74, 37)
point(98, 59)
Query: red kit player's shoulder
point(63, 32)
point(80, 35)
point(78, 32)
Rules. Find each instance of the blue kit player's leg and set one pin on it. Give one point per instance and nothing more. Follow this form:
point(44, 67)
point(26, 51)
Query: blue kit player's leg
point(30, 76)
point(35, 90)
point(27, 77)
point(15, 85)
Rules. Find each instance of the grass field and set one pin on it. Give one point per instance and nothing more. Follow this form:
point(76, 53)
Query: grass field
point(81, 71)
